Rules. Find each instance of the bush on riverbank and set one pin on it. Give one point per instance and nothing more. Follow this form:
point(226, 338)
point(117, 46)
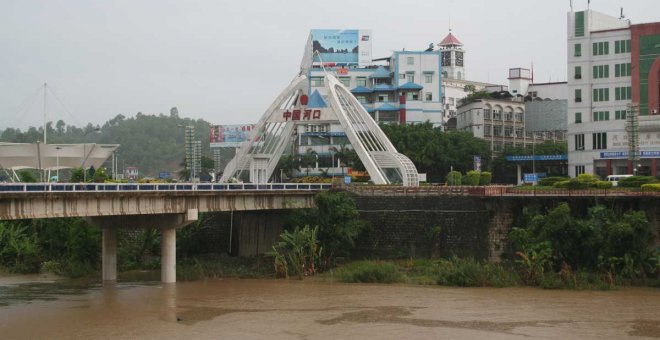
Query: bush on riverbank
point(370, 272)
point(213, 266)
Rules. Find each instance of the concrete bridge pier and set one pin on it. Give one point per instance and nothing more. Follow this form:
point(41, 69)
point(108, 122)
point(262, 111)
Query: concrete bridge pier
point(168, 224)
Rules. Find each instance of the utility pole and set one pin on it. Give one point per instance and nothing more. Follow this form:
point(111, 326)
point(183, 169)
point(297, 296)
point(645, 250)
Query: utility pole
point(45, 116)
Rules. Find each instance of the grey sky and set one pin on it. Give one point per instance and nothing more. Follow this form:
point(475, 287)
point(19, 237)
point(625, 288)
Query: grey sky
point(224, 61)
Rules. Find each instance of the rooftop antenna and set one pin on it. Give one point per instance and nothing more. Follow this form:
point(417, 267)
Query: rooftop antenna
point(571, 4)
point(622, 16)
point(588, 4)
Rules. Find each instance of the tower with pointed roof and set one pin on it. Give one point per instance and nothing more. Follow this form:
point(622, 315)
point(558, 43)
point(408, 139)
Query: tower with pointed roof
point(453, 57)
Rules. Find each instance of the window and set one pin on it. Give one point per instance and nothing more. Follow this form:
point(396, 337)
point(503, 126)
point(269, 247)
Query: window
point(577, 50)
point(622, 70)
point(508, 131)
point(412, 96)
point(450, 100)
point(622, 93)
point(497, 146)
point(601, 116)
point(487, 128)
point(362, 99)
point(428, 96)
point(601, 48)
point(508, 116)
point(402, 76)
point(620, 114)
point(622, 46)
point(601, 95)
point(578, 95)
point(579, 24)
point(497, 114)
point(578, 117)
point(601, 71)
point(486, 113)
point(519, 132)
point(579, 170)
point(519, 117)
point(410, 77)
point(428, 78)
point(599, 140)
point(578, 72)
point(579, 142)
point(361, 81)
point(317, 81)
point(382, 98)
point(346, 81)
point(497, 130)
point(411, 60)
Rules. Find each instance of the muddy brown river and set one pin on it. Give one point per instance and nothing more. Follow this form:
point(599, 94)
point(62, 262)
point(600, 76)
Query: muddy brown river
point(47, 308)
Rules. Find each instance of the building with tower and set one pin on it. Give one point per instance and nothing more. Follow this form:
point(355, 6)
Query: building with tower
point(613, 88)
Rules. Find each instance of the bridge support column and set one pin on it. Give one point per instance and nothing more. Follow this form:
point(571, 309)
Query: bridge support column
point(109, 256)
point(168, 254)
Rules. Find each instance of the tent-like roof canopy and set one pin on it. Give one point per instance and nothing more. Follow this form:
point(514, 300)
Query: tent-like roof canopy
point(17, 156)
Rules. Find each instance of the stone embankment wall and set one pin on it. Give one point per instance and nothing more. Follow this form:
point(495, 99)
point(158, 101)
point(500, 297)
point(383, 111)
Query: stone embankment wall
point(407, 226)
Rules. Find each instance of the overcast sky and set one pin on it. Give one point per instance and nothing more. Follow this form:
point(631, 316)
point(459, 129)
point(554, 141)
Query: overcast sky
point(225, 61)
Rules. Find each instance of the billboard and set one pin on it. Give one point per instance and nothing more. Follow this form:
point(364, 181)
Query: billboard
point(334, 47)
point(229, 135)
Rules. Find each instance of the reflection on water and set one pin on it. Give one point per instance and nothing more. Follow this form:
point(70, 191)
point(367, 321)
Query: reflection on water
point(283, 309)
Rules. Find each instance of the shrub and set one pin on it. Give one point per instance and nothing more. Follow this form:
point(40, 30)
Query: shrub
point(603, 184)
point(651, 187)
point(454, 178)
point(637, 181)
point(473, 177)
point(485, 178)
point(472, 273)
point(370, 272)
point(575, 183)
point(587, 178)
point(561, 184)
point(550, 181)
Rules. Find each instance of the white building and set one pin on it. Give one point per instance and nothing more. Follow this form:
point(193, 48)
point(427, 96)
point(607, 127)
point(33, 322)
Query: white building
point(611, 65)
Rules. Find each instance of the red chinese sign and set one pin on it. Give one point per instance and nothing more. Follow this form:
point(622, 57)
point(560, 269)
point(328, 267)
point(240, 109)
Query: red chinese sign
point(301, 114)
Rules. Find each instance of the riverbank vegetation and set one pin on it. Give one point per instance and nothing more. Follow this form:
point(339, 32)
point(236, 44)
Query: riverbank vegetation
point(550, 248)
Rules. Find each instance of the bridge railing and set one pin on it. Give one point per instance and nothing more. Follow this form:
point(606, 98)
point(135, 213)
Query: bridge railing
point(116, 187)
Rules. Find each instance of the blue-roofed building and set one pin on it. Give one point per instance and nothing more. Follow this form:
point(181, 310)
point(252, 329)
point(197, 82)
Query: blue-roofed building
point(405, 87)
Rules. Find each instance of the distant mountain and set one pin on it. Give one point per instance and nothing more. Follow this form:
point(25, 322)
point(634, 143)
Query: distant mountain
point(153, 143)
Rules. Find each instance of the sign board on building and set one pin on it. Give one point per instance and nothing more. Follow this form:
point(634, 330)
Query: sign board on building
point(334, 47)
point(164, 174)
point(229, 135)
point(422, 177)
point(537, 158)
point(624, 154)
point(477, 163)
point(530, 178)
point(347, 179)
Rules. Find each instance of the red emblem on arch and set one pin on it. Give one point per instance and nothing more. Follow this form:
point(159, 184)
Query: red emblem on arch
point(304, 99)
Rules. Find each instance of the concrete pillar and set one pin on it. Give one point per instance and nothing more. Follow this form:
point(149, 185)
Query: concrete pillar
point(519, 174)
point(109, 257)
point(168, 255)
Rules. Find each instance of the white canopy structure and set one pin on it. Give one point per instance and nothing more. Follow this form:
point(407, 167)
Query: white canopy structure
point(17, 156)
point(258, 157)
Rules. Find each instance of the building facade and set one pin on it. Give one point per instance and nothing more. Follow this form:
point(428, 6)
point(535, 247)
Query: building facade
point(613, 72)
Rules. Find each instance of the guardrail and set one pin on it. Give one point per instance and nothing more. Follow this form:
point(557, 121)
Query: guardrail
point(132, 187)
point(491, 191)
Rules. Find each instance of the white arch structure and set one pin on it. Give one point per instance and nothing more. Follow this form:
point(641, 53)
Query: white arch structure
point(260, 155)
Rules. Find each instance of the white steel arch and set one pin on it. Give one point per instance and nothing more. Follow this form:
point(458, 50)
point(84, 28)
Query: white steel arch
point(257, 158)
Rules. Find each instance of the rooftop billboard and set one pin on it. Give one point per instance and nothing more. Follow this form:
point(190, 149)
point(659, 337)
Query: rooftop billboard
point(334, 47)
point(229, 135)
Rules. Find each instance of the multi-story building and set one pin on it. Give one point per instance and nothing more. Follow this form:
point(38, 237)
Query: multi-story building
point(613, 73)
point(502, 119)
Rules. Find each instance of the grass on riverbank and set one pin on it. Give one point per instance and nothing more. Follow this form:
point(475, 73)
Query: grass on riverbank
point(213, 266)
point(472, 273)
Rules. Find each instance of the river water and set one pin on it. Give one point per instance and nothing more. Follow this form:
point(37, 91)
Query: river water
point(47, 308)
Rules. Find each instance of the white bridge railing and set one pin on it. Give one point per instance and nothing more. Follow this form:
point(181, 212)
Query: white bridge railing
point(130, 187)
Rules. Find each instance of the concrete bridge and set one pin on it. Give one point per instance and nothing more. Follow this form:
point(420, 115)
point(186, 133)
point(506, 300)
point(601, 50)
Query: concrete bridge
point(166, 206)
